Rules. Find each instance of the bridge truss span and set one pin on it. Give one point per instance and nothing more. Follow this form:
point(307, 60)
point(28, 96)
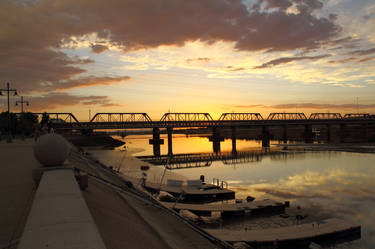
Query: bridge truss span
point(320, 115)
point(357, 115)
point(120, 117)
point(240, 116)
point(57, 117)
point(287, 116)
point(186, 117)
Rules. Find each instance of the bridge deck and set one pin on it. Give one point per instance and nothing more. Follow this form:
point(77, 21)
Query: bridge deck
point(225, 207)
point(309, 231)
point(209, 123)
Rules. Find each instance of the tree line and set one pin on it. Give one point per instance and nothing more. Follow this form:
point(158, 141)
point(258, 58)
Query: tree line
point(20, 123)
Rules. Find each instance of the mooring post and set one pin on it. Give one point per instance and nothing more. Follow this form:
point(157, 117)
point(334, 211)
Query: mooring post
point(234, 140)
point(170, 132)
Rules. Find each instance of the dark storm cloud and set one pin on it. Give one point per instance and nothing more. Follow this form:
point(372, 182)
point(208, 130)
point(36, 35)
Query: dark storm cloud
point(134, 24)
point(30, 38)
point(31, 34)
point(55, 99)
point(284, 60)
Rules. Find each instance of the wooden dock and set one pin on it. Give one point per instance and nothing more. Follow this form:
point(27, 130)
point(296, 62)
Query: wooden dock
point(206, 192)
point(321, 232)
point(225, 209)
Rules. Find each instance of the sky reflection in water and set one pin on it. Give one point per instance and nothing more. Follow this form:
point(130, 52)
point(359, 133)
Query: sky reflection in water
point(337, 184)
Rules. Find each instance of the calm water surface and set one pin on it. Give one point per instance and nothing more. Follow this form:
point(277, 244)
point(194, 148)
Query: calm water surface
point(329, 184)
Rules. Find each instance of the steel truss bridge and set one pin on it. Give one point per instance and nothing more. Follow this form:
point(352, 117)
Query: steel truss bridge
point(181, 120)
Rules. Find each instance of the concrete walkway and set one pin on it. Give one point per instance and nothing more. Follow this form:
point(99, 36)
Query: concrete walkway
point(16, 187)
point(59, 217)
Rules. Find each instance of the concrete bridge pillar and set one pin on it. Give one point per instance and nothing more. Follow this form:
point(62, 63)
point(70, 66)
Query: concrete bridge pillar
point(308, 134)
point(156, 141)
point(285, 134)
point(170, 132)
point(365, 132)
point(329, 133)
point(216, 139)
point(266, 137)
point(342, 133)
point(234, 140)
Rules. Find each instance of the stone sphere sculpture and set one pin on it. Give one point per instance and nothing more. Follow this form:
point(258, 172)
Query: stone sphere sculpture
point(51, 150)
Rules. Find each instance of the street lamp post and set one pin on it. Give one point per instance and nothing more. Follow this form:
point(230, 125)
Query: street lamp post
point(8, 90)
point(22, 102)
point(22, 116)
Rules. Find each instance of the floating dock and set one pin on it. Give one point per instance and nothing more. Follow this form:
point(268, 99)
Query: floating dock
point(321, 232)
point(229, 209)
point(206, 192)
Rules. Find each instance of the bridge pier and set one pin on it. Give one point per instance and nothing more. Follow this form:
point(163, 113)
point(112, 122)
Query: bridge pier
point(365, 132)
point(266, 137)
point(308, 134)
point(285, 134)
point(216, 139)
point(234, 140)
point(170, 132)
point(156, 141)
point(329, 133)
point(342, 133)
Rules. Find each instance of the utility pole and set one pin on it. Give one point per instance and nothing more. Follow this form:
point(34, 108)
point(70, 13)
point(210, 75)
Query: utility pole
point(22, 102)
point(8, 90)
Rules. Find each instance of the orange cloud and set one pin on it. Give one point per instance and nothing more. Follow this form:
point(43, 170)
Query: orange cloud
point(54, 100)
point(88, 81)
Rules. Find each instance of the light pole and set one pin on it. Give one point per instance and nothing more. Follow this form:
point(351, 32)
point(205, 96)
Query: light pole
point(8, 90)
point(22, 102)
point(22, 116)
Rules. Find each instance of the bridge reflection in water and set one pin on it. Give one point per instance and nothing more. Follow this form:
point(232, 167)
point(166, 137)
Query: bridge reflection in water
point(197, 160)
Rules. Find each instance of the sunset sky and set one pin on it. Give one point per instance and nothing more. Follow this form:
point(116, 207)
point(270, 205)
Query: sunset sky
point(189, 56)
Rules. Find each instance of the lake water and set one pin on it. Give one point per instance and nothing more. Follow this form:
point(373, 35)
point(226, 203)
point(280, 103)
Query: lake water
point(325, 184)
